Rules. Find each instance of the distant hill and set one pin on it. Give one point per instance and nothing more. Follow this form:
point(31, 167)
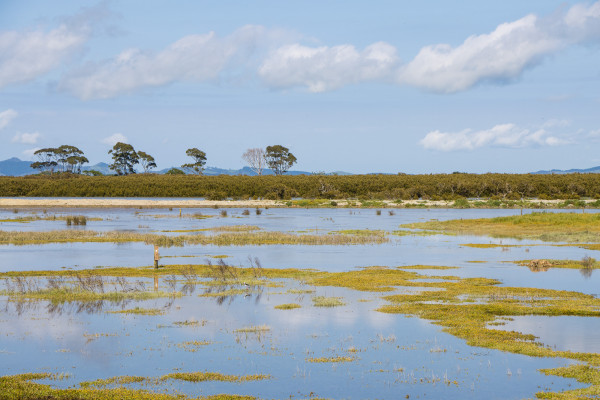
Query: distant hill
point(15, 167)
point(593, 170)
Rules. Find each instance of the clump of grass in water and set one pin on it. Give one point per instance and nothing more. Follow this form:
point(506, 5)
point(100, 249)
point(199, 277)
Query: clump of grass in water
point(253, 329)
point(330, 359)
point(76, 220)
point(258, 211)
point(223, 213)
point(139, 311)
point(246, 212)
point(322, 301)
point(287, 306)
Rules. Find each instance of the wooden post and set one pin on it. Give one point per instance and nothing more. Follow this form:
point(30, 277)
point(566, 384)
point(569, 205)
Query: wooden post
point(156, 256)
point(180, 213)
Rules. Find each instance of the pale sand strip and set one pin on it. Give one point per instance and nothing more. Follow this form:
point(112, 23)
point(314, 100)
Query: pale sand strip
point(116, 203)
point(179, 203)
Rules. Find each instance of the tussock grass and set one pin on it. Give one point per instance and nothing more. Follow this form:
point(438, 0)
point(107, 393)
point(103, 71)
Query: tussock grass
point(287, 306)
point(551, 227)
point(322, 301)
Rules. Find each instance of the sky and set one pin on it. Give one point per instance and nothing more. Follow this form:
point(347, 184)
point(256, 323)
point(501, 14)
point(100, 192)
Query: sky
point(379, 86)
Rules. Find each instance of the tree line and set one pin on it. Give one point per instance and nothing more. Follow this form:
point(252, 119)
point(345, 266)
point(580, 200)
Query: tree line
point(70, 159)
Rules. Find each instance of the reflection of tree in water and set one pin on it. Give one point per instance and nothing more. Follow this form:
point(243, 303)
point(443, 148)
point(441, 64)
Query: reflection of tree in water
point(586, 272)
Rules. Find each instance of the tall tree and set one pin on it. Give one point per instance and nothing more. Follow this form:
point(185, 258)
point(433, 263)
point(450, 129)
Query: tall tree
point(124, 158)
point(46, 160)
point(279, 159)
point(255, 159)
point(70, 158)
point(200, 159)
point(146, 161)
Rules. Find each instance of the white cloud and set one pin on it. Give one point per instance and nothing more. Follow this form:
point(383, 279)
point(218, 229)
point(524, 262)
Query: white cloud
point(26, 138)
point(326, 68)
point(499, 56)
point(29, 152)
point(26, 55)
point(113, 139)
point(504, 135)
point(502, 54)
point(7, 116)
point(191, 58)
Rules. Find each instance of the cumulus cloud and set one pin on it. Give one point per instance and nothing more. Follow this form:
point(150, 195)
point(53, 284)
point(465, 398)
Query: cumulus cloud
point(26, 138)
point(499, 56)
point(191, 58)
point(6, 116)
point(29, 153)
point(26, 55)
point(326, 68)
point(502, 54)
point(504, 135)
point(114, 139)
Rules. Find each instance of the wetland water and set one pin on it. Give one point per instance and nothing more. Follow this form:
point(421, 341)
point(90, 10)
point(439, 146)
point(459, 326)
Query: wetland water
point(379, 355)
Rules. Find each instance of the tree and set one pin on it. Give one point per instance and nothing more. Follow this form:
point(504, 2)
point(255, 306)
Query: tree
point(146, 161)
point(255, 159)
point(70, 158)
point(200, 159)
point(279, 159)
point(175, 171)
point(125, 157)
point(47, 160)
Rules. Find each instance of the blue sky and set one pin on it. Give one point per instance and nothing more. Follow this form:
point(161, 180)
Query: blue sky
point(379, 86)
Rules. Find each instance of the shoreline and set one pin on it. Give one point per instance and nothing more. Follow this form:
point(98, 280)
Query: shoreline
point(341, 203)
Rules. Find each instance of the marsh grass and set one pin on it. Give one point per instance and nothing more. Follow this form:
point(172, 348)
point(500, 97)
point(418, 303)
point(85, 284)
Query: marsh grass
point(224, 239)
point(253, 329)
point(21, 387)
point(76, 220)
point(337, 359)
point(585, 263)
point(550, 227)
point(77, 287)
point(287, 306)
point(139, 311)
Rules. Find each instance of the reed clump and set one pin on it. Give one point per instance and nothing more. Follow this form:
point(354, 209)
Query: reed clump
point(76, 220)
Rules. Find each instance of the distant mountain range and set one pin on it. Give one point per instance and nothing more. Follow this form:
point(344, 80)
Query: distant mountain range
point(593, 170)
point(16, 167)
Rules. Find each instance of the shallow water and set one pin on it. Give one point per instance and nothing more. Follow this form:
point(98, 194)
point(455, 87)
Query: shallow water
point(396, 355)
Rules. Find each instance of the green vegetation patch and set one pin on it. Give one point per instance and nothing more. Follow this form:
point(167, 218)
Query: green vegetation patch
point(287, 306)
point(551, 227)
point(139, 311)
point(20, 387)
point(322, 301)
